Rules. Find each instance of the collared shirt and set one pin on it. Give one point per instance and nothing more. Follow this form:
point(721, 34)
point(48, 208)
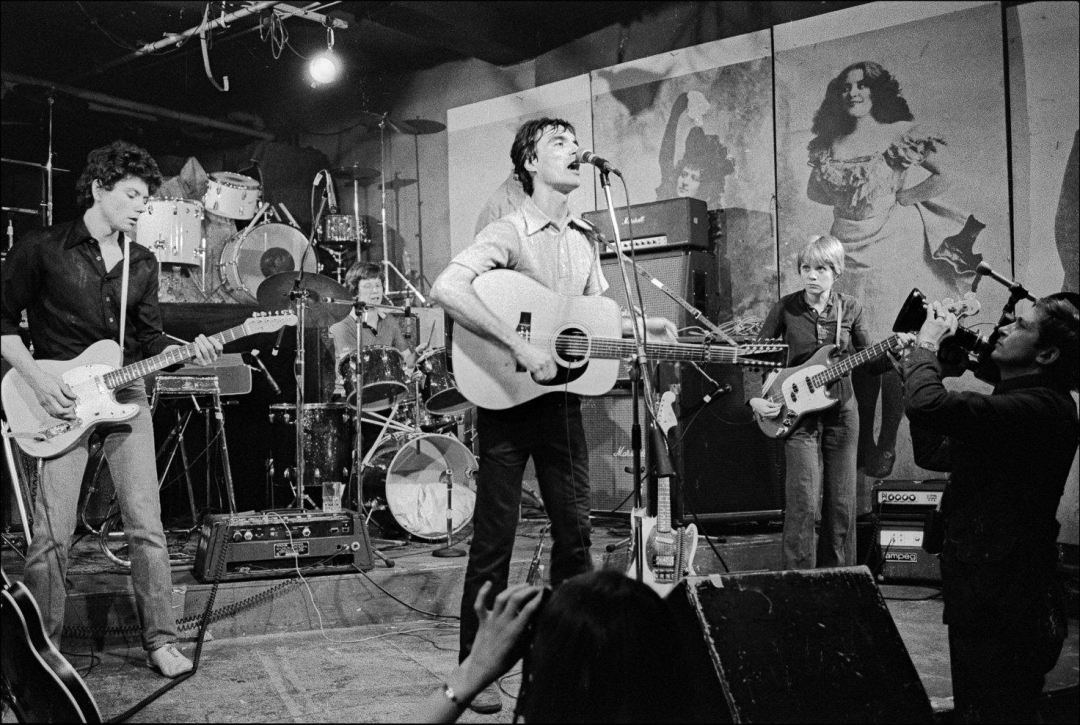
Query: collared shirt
point(558, 255)
point(805, 330)
point(58, 276)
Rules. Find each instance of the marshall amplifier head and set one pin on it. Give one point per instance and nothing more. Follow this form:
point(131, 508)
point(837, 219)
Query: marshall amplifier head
point(660, 225)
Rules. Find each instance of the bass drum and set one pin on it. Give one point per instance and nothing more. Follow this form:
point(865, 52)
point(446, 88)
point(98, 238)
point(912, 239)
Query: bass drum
point(407, 470)
point(252, 255)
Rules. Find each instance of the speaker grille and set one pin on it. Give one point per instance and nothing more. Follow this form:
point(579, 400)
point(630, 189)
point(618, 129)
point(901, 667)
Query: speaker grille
point(689, 274)
point(607, 420)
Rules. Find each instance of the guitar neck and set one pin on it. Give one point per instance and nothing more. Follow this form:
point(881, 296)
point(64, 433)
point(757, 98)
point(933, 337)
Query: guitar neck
point(130, 373)
point(663, 504)
point(843, 367)
point(607, 348)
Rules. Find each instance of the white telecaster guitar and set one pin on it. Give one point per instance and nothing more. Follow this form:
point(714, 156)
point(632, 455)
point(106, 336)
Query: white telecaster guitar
point(583, 334)
point(93, 377)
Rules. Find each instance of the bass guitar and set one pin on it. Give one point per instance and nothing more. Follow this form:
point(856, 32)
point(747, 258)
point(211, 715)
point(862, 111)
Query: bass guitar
point(668, 551)
point(37, 682)
point(583, 335)
point(810, 387)
point(93, 377)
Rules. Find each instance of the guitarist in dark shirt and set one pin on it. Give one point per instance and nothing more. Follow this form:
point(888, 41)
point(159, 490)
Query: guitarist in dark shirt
point(68, 278)
point(808, 320)
point(1008, 454)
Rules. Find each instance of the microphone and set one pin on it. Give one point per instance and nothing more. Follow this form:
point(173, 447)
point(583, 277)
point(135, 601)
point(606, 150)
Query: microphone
point(330, 193)
point(277, 341)
point(254, 355)
point(584, 156)
point(1015, 288)
point(318, 176)
point(723, 389)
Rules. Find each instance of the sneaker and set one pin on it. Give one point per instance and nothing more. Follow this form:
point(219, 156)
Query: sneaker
point(487, 701)
point(168, 661)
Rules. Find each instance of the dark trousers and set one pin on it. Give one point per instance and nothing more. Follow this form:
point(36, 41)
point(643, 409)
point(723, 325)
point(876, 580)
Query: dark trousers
point(549, 429)
point(995, 677)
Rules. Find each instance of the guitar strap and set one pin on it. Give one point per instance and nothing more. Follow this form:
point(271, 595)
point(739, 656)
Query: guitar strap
point(839, 317)
point(124, 292)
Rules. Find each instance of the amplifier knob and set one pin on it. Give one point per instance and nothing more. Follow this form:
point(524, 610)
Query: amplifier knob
point(237, 536)
point(306, 532)
point(247, 536)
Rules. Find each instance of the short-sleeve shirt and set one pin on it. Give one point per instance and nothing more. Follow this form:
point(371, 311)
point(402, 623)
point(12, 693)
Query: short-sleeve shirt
point(386, 333)
point(559, 256)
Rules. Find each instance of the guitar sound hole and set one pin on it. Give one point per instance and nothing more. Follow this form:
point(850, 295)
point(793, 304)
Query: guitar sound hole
point(572, 345)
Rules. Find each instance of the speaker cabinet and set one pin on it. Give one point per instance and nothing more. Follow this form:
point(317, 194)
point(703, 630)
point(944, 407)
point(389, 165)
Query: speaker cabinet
point(794, 646)
point(729, 470)
point(691, 274)
point(607, 420)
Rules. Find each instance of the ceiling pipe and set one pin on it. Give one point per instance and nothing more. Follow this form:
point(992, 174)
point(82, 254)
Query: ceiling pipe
point(156, 111)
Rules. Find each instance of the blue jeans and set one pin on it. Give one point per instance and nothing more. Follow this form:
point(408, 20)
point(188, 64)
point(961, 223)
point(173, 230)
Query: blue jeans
point(129, 447)
point(821, 459)
point(548, 428)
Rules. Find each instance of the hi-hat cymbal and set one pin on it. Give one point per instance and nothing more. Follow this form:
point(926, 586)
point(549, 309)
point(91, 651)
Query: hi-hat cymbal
point(372, 120)
point(355, 173)
point(421, 126)
point(274, 294)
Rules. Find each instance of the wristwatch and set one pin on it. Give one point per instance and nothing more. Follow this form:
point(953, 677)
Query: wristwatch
point(927, 345)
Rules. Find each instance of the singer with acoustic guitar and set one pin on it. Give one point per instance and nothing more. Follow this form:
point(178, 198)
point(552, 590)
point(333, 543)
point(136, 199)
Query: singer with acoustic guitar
point(545, 242)
point(70, 279)
point(821, 447)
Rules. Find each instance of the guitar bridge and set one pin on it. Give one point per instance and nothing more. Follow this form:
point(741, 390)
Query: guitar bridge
point(58, 430)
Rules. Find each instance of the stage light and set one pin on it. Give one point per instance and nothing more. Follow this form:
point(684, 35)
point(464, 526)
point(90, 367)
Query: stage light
point(325, 67)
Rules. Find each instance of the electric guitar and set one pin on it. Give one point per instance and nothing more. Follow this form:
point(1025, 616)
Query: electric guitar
point(38, 683)
point(668, 552)
point(93, 377)
point(583, 335)
point(809, 388)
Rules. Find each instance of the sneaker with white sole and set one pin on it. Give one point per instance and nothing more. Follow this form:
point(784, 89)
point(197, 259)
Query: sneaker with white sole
point(168, 661)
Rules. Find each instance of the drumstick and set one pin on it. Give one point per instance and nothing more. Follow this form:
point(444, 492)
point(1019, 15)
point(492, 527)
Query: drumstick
point(253, 223)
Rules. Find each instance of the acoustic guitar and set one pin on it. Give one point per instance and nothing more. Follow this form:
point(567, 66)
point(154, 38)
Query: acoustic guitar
point(37, 682)
point(583, 335)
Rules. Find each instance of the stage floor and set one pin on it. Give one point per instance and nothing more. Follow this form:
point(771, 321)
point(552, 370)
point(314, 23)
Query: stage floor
point(340, 649)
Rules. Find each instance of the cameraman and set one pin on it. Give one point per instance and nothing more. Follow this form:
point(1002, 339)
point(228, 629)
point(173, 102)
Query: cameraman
point(1009, 455)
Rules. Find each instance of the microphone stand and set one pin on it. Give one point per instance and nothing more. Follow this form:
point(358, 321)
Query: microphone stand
point(299, 296)
point(638, 371)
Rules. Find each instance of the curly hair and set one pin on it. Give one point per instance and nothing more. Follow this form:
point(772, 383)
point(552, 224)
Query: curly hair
point(1059, 326)
point(115, 162)
point(523, 149)
point(887, 102)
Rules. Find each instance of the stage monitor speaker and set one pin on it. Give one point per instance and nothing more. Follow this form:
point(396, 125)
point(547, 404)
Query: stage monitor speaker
point(794, 646)
point(728, 469)
point(607, 420)
point(691, 274)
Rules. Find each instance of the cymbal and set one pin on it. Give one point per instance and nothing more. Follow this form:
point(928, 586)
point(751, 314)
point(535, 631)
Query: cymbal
point(372, 120)
point(274, 295)
point(355, 173)
point(422, 127)
point(395, 184)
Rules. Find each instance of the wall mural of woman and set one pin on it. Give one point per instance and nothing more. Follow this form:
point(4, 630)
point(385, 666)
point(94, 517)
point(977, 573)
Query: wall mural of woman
point(865, 142)
point(891, 134)
point(700, 171)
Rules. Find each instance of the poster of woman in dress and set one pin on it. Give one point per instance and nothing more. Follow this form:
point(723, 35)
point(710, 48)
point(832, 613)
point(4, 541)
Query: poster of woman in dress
point(891, 137)
point(697, 122)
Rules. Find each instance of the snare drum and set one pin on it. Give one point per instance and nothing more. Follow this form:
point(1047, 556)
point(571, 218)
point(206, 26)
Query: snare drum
point(252, 255)
point(327, 443)
point(384, 377)
point(172, 230)
point(441, 396)
point(230, 195)
point(406, 471)
point(339, 229)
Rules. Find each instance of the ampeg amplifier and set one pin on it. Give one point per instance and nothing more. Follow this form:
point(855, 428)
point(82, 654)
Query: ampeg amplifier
point(265, 544)
point(902, 555)
point(667, 224)
point(906, 500)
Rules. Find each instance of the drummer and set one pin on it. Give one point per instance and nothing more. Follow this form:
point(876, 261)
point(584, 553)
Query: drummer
point(365, 283)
